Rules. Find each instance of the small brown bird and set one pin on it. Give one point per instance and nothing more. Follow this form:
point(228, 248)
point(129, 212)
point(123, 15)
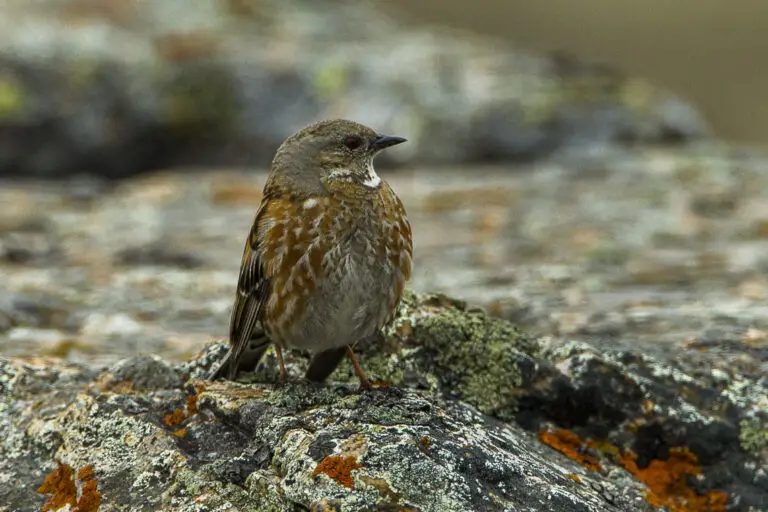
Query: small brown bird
point(328, 256)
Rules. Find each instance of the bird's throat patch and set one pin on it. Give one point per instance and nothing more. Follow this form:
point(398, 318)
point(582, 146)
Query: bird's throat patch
point(368, 178)
point(371, 179)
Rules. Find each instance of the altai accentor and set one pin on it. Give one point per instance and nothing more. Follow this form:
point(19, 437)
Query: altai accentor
point(327, 257)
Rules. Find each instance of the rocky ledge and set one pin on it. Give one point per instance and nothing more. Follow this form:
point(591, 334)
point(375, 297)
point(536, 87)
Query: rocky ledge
point(469, 413)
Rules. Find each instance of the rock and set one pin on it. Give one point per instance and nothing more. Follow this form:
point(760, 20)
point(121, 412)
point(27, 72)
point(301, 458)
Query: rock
point(465, 415)
point(159, 254)
point(119, 90)
point(141, 373)
point(30, 242)
point(260, 448)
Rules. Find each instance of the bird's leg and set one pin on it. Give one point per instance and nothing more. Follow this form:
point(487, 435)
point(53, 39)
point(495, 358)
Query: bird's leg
point(364, 382)
point(283, 373)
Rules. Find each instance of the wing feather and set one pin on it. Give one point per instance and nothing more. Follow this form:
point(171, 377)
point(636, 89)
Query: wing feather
point(252, 293)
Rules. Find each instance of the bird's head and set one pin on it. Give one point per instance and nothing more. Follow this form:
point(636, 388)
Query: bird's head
point(328, 154)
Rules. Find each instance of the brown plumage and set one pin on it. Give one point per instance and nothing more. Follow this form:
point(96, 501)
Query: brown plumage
point(327, 257)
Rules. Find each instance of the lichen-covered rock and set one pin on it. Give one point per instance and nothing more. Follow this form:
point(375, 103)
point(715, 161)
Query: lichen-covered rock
point(435, 344)
point(114, 88)
point(225, 446)
point(469, 413)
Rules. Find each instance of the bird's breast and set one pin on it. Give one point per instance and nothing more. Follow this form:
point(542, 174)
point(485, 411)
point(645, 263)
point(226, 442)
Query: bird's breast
point(337, 267)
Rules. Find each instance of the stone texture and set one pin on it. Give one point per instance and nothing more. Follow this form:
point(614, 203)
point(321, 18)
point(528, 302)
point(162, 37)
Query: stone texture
point(433, 437)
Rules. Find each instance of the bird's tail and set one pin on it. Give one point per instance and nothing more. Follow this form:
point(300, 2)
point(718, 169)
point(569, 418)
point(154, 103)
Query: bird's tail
point(324, 363)
point(246, 361)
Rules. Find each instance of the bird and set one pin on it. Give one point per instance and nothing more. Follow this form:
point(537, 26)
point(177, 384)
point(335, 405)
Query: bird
point(328, 255)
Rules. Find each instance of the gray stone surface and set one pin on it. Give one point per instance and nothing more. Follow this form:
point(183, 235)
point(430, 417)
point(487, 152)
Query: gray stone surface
point(453, 428)
point(258, 448)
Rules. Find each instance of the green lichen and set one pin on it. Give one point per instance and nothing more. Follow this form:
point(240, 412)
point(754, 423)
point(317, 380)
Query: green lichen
point(753, 435)
point(266, 491)
point(477, 355)
point(214, 493)
point(11, 99)
point(453, 348)
point(299, 394)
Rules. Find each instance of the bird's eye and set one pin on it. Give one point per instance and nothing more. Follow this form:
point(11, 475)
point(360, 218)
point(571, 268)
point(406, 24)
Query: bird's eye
point(353, 142)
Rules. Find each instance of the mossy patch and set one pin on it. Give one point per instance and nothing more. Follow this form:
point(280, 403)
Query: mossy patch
point(475, 356)
point(753, 435)
point(11, 98)
point(453, 349)
point(210, 492)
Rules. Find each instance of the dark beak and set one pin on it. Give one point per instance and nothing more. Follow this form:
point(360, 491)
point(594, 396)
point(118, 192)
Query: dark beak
point(385, 141)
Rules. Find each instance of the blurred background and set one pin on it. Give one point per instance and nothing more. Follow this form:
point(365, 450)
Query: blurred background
point(588, 169)
point(705, 50)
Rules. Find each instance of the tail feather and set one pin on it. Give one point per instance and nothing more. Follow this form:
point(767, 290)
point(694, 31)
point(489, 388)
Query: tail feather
point(323, 364)
point(246, 361)
point(222, 370)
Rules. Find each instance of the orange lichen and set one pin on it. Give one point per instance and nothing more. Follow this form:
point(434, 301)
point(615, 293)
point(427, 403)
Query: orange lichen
point(86, 473)
point(666, 479)
point(574, 477)
point(62, 487)
point(192, 405)
point(338, 468)
point(90, 498)
point(175, 418)
point(180, 433)
point(572, 446)
point(667, 485)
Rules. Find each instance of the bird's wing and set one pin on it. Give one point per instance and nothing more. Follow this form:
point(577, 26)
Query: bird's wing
point(252, 294)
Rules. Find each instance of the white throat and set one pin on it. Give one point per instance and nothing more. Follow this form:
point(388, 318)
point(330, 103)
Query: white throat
point(370, 178)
